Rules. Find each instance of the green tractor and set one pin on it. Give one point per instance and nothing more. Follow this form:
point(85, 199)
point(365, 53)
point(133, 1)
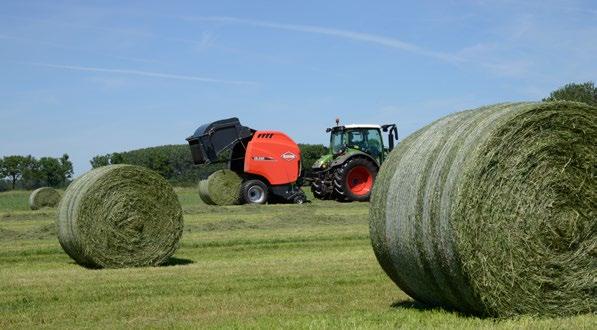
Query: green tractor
point(348, 171)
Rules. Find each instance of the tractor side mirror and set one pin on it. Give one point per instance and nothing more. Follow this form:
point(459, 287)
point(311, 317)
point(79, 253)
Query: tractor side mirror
point(393, 136)
point(391, 141)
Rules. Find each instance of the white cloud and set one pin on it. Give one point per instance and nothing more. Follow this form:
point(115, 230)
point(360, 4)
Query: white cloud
point(143, 74)
point(482, 55)
point(74, 48)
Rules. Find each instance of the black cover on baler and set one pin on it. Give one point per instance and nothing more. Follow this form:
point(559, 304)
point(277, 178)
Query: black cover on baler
point(211, 139)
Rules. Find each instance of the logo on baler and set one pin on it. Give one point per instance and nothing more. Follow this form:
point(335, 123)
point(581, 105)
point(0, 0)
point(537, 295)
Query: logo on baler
point(288, 156)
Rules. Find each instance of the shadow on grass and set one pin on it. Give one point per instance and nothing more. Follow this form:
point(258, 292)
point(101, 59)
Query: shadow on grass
point(415, 305)
point(412, 304)
point(173, 261)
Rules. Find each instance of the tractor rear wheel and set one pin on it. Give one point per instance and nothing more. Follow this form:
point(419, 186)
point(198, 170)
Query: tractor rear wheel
point(254, 192)
point(353, 181)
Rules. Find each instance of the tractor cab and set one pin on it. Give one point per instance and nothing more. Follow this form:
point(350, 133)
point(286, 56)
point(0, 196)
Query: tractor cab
point(363, 138)
point(356, 152)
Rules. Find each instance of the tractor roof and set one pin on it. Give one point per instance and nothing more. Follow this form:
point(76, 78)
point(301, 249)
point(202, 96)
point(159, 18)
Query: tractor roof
point(352, 126)
point(362, 126)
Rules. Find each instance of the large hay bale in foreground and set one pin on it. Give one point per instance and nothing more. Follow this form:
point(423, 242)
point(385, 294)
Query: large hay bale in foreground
point(120, 216)
point(492, 211)
point(44, 197)
point(221, 188)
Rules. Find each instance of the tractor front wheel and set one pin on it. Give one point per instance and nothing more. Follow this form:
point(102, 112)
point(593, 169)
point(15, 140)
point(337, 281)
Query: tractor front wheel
point(353, 181)
point(318, 190)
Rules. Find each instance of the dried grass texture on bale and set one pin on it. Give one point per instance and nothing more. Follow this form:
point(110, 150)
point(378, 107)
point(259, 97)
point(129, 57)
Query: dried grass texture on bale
point(492, 211)
point(120, 216)
point(44, 197)
point(204, 193)
point(222, 188)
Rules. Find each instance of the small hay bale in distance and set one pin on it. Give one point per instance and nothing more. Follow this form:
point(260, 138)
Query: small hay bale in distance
point(492, 211)
point(204, 193)
point(44, 197)
point(223, 187)
point(120, 216)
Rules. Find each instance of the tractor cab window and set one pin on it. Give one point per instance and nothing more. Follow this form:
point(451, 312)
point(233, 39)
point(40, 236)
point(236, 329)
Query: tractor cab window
point(336, 141)
point(374, 143)
point(356, 139)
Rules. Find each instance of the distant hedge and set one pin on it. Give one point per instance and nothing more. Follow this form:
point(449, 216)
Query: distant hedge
point(28, 172)
point(174, 162)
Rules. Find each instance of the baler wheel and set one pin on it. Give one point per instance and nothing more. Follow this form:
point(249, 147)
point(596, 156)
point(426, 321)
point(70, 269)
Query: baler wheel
point(254, 192)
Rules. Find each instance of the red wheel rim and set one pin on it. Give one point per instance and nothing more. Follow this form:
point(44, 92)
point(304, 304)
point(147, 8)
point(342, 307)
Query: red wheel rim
point(359, 180)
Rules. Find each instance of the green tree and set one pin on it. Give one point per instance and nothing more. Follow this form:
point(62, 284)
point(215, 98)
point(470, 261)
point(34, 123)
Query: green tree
point(2, 175)
point(28, 172)
point(116, 158)
point(310, 153)
point(108, 159)
point(66, 168)
point(51, 171)
point(32, 176)
point(13, 167)
point(585, 92)
point(55, 172)
point(100, 160)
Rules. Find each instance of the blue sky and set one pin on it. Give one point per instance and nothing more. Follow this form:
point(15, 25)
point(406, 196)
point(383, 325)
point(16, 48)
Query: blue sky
point(93, 77)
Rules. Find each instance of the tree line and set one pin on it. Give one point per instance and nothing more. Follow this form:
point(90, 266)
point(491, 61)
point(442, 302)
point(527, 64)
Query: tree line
point(28, 172)
point(175, 163)
point(585, 92)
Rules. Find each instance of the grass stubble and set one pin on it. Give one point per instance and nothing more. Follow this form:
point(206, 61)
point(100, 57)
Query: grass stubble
point(282, 266)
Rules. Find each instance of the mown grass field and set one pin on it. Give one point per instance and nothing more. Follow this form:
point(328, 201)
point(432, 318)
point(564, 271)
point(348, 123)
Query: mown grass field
point(290, 266)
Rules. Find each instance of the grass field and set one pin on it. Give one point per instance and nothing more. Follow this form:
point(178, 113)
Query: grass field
point(291, 266)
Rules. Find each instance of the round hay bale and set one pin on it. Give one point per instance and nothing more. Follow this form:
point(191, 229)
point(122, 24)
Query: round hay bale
point(120, 216)
point(492, 211)
point(204, 193)
point(223, 187)
point(44, 197)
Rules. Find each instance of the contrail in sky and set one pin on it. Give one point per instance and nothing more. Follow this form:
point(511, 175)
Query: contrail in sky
point(142, 73)
point(346, 34)
point(78, 49)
